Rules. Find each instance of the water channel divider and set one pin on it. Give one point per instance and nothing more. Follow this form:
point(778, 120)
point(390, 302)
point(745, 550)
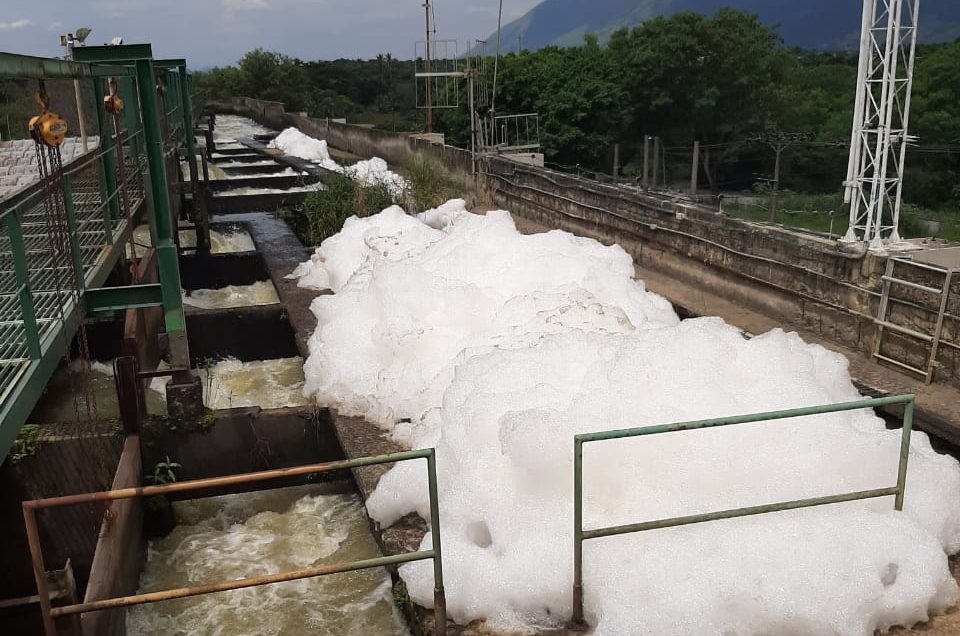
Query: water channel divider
point(580, 535)
point(49, 613)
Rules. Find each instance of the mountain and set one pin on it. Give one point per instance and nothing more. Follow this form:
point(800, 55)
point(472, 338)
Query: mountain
point(809, 24)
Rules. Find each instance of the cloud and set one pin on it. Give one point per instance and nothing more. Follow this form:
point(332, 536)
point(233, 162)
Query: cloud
point(18, 24)
point(232, 6)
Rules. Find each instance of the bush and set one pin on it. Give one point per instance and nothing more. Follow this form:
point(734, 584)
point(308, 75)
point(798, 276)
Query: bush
point(426, 184)
point(341, 197)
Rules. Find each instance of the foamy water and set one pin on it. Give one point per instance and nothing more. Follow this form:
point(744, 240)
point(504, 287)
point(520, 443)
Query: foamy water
point(236, 536)
point(269, 384)
point(260, 293)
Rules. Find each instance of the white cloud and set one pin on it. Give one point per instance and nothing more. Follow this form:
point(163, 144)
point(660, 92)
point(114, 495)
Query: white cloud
point(232, 6)
point(10, 26)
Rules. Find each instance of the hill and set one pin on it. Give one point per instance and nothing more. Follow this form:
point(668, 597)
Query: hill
point(811, 24)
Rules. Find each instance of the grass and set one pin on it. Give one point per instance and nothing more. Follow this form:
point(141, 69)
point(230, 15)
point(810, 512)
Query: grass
point(826, 213)
point(428, 184)
point(324, 211)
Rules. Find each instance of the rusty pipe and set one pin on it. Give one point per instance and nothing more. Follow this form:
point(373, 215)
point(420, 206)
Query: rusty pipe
point(226, 586)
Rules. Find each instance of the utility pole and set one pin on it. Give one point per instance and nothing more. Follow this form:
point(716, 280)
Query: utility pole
point(695, 168)
point(69, 42)
point(656, 160)
point(429, 80)
point(775, 193)
point(646, 161)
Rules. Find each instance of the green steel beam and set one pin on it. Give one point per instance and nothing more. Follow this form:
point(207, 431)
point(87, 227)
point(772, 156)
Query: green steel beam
point(123, 54)
point(167, 260)
point(29, 67)
point(580, 535)
point(121, 298)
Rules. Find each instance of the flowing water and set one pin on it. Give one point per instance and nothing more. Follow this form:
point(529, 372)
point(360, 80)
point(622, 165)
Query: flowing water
point(259, 293)
point(220, 242)
point(269, 384)
point(235, 536)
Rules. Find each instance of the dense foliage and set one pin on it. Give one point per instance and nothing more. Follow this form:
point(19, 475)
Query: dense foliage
point(725, 80)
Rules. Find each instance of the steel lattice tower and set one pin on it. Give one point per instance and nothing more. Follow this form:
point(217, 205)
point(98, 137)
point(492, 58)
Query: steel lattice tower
point(879, 138)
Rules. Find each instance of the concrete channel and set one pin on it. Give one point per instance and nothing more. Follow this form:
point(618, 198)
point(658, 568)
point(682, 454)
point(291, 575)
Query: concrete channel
point(250, 438)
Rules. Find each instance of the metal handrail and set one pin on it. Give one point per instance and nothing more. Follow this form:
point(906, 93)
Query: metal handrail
point(581, 535)
point(49, 613)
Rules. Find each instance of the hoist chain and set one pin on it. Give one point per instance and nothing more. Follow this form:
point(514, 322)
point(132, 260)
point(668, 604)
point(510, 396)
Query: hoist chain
point(50, 172)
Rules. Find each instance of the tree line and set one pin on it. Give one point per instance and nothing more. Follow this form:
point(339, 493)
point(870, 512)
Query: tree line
point(722, 80)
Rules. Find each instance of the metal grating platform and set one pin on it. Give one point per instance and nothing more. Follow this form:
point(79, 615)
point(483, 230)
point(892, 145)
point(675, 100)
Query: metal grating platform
point(51, 288)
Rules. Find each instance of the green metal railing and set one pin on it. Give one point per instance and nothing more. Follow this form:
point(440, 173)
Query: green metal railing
point(38, 300)
point(581, 535)
point(49, 613)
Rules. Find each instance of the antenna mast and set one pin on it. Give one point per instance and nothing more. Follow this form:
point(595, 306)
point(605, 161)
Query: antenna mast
point(878, 145)
point(426, 8)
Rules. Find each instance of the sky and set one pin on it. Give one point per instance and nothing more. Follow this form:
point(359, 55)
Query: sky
point(217, 32)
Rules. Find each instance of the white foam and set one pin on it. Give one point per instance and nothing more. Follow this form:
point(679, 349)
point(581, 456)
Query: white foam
point(259, 293)
point(500, 347)
point(372, 172)
point(296, 144)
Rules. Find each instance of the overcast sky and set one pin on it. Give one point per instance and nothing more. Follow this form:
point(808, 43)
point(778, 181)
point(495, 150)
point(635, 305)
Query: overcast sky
point(212, 32)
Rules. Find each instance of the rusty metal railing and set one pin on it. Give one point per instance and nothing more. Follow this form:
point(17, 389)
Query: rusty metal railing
point(581, 535)
point(49, 613)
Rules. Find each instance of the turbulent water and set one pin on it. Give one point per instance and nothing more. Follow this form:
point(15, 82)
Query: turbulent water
point(220, 242)
point(236, 536)
point(269, 384)
point(259, 293)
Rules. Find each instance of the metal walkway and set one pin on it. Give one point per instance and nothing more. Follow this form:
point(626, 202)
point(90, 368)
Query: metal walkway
point(39, 303)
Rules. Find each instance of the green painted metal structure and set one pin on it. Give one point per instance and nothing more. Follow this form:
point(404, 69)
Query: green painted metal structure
point(581, 535)
point(39, 310)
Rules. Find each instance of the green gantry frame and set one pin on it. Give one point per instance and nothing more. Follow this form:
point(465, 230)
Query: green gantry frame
point(581, 535)
point(34, 333)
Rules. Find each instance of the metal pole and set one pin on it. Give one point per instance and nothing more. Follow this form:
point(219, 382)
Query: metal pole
point(646, 161)
point(904, 454)
point(167, 262)
point(429, 80)
point(39, 571)
point(695, 169)
point(238, 584)
point(656, 160)
point(577, 621)
point(775, 194)
point(473, 122)
point(905, 123)
point(439, 597)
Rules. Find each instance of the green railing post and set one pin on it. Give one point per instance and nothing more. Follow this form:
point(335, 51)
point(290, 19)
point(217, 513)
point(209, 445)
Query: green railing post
point(439, 596)
point(27, 310)
point(581, 535)
point(75, 249)
point(577, 622)
point(108, 166)
point(904, 454)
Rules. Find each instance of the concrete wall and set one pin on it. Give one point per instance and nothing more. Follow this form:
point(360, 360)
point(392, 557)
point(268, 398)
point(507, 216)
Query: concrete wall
point(120, 549)
point(797, 277)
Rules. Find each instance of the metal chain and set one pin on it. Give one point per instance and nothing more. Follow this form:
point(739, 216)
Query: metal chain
point(50, 170)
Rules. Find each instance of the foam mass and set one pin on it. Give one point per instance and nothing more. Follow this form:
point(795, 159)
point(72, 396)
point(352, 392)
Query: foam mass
point(453, 330)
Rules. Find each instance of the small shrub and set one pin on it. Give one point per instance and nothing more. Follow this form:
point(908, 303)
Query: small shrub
point(427, 184)
point(324, 211)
